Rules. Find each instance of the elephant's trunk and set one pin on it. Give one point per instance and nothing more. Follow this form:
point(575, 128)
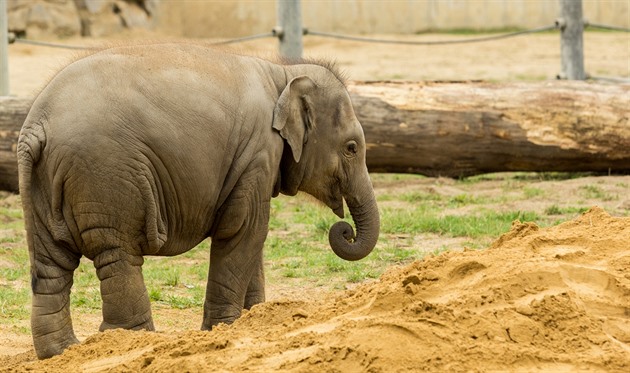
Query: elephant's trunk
point(366, 218)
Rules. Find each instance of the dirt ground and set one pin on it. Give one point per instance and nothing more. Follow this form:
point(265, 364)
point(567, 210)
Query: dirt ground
point(538, 299)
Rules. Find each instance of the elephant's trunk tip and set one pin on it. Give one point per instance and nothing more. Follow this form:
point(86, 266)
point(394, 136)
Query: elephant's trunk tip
point(343, 242)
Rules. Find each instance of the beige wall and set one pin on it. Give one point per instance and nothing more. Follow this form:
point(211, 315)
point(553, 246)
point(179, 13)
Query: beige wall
point(211, 18)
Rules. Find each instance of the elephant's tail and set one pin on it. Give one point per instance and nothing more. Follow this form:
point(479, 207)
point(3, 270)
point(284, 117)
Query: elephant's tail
point(31, 143)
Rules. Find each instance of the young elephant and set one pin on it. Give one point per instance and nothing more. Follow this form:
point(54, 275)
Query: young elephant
point(148, 150)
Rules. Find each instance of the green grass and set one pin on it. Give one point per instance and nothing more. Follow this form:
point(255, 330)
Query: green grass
point(14, 303)
point(596, 192)
point(11, 213)
point(531, 192)
point(556, 210)
point(415, 197)
point(485, 223)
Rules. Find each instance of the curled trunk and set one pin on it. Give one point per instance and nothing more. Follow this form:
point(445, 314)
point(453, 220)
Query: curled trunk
point(342, 238)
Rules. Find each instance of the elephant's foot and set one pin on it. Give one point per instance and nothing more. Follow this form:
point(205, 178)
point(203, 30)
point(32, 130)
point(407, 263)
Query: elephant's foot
point(53, 344)
point(208, 324)
point(51, 324)
point(254, 298)
point(138, 323)
point(126, 302)
point(215, 314)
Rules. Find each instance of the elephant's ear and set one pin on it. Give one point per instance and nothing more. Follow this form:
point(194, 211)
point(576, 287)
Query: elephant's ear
point(292, 116)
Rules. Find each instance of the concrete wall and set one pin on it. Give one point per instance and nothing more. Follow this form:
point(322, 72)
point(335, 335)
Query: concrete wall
point(195, 18)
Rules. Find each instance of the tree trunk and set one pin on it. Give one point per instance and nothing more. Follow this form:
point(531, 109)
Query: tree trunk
point(459, 129)
point(469, 128)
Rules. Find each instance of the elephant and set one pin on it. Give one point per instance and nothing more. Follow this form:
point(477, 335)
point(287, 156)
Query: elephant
point(142, 150)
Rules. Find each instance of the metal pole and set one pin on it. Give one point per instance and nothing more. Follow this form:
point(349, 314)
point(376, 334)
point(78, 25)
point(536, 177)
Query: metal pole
point(571, 40)
point(289, 29)
point(4, 50)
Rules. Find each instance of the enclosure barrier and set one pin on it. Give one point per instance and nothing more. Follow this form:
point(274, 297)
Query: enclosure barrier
point(289, 32)
point(278, 32)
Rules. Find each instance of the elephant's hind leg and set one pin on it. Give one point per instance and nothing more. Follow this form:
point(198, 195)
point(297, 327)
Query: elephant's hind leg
point(52, 268)
point(125, 299)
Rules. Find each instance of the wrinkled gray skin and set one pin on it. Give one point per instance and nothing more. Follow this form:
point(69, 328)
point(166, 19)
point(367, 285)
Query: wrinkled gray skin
point(148, 150)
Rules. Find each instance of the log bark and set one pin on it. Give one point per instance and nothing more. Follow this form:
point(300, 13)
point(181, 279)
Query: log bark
point(459, 129)
point(13, 111)
point(469, 128)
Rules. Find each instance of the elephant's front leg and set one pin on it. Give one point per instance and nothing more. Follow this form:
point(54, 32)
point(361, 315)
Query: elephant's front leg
point(235, 278)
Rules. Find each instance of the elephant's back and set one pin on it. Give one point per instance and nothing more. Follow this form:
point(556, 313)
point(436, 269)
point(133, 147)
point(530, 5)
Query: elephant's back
point(174, 90)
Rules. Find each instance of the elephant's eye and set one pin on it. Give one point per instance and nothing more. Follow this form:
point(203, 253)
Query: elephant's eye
point(351, 148)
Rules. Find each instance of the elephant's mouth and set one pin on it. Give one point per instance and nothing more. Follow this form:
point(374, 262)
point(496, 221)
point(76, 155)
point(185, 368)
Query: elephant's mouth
point(335, 202)
point(336, 205)
point(339, 210)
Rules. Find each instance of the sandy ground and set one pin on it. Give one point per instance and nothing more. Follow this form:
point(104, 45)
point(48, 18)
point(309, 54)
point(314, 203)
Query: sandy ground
point(554, 299)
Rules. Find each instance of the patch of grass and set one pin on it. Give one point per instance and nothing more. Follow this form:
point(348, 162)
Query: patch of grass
point(291, 258)
point(465, 199)
point(183, 302)
point(86, 288)
point(155, 294)
point(14, 302)
point(483, 177)
point(394, 178)
point(595, 192)
point(486, 223)
point(11, 213)
point(15, 292)
point(322, 225)
point(10, 239)
point(556, 210)
point(531, 192)
point(193, 298)
point(553, 210)
point(359, 273)
point(420, 197)
point(163, 274)
point(550, 176)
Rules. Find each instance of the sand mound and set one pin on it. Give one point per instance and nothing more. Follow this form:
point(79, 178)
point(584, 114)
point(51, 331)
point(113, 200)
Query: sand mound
point(555, 299)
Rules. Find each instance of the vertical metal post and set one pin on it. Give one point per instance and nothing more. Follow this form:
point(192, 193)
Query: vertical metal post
point(4, 49)
point(289, 29)
point(571, 40)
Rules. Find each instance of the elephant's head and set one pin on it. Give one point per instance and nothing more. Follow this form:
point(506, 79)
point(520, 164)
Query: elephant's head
point(325, 155)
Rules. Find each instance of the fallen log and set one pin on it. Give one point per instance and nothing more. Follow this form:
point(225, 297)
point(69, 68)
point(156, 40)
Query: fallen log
point(460, 129)
point(469, 128)
point(13, 111)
